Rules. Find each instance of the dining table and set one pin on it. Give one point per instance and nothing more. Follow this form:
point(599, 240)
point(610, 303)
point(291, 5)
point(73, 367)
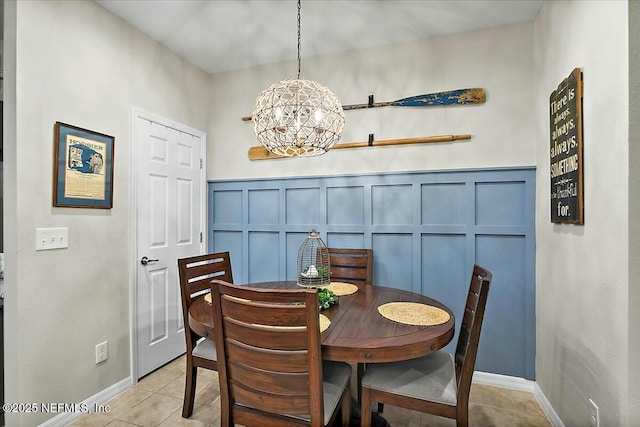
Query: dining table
point(358, 332)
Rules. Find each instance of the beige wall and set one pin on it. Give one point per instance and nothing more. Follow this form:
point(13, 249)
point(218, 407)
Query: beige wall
point(78, 64)
point(582, 271)
point(497, 59)
point(74, 62)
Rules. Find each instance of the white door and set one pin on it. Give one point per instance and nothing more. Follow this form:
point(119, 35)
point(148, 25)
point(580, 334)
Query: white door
point(169, 200)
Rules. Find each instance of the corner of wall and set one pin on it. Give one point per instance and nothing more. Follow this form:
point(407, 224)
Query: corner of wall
point(634, 212)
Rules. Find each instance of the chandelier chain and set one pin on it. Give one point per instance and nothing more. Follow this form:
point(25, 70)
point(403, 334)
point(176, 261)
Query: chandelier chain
point(298, 39)
point(298, 117)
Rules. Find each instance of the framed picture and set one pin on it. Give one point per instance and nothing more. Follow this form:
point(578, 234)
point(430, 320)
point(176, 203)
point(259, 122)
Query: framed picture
point(83, 168)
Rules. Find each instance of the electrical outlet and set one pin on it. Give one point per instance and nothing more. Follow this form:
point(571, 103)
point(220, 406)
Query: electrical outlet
point(594, 414)
point(101, 352)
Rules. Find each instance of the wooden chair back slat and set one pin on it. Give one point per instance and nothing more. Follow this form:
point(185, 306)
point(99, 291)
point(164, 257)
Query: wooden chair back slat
point(270, 381)
point(351, 265)
point(280, 314)
point(286, 361)
point(348, 274)
point(276, 404)
point(197, 272)
point(275, 337)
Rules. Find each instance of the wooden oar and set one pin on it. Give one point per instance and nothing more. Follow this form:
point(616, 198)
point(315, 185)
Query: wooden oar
point(452, 97)
point(261, 153)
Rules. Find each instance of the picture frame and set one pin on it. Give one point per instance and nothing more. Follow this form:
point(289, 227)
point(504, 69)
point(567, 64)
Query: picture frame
point(83, 168)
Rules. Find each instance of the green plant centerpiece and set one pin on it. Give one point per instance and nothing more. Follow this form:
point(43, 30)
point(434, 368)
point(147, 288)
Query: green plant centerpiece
point(326, 298)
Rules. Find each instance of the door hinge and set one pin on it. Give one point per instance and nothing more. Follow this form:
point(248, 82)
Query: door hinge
point(201, 163)
point(201, 237)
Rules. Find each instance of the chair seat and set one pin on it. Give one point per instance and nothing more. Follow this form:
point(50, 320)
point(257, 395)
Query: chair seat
point(205, 349)
point(335, 377)
point(429, 377)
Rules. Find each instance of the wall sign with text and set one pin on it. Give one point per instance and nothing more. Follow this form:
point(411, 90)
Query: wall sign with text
point(567, 185)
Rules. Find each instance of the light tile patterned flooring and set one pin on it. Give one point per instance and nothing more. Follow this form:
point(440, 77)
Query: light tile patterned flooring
point(157, 401)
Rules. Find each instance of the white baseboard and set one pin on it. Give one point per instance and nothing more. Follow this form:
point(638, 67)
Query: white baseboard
point(546, 407)
point(89, 404)
point(516, 383)
point(504, 381)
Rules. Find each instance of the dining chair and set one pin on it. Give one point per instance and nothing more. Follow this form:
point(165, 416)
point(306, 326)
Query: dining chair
point(195, 274)
point(438, 383)
point(351, 265)
point(269, 359)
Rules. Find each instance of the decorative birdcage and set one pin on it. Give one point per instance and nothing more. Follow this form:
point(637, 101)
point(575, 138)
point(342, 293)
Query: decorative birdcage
point(314, 269)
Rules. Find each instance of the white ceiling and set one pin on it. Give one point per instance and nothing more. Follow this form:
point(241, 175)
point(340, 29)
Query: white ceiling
point(220, 35)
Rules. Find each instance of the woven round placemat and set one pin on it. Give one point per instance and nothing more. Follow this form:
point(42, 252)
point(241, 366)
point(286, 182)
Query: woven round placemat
point(413, 313)
point(324, 323)
point(342, 288)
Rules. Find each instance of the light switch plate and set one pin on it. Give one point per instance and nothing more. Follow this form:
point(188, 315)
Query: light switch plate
point(52, 238)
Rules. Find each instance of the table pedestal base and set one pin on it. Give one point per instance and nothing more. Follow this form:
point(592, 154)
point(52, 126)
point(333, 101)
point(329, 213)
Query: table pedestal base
point(376, 419)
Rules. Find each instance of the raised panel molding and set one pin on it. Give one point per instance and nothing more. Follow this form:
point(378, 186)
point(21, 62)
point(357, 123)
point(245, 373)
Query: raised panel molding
point(426, 229)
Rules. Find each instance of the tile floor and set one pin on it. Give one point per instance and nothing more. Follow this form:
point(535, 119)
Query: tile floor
point(157, 401)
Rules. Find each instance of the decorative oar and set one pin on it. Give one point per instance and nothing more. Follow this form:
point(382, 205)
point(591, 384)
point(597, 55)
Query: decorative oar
point(453, 97)
point(261, 153)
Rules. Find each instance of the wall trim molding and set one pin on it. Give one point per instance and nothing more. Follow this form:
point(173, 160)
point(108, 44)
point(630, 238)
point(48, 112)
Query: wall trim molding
point(521, 384)
point(373, 174)
point(99, 398)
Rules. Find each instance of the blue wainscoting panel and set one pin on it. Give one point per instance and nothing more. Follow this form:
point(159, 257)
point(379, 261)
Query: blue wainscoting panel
point(345, 205)
point(230, 241)
point(506, 312)
point(392, 204)
point(227, 207)
point(397, 252)
point(293, 243)
point(441, 203)
point(303, 205)
point(492, 199)
point(445, 271)
point(345, 240)
point(426, 229)
point(263, 207)
point(264, 256)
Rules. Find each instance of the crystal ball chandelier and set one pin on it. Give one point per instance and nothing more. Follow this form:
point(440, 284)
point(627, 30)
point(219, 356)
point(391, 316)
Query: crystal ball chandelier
point(298, 117)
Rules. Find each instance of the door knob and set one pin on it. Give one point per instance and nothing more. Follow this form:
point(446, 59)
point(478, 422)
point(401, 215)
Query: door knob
point(145, 260)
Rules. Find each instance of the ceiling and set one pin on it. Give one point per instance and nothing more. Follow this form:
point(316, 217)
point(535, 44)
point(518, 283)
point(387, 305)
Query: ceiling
point(221, 35)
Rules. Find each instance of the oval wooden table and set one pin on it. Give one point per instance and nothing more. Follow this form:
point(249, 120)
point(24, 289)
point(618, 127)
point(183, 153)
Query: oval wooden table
point(358, 333)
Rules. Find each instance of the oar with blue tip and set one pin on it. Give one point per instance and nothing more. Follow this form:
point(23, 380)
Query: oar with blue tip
point(452, 97)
